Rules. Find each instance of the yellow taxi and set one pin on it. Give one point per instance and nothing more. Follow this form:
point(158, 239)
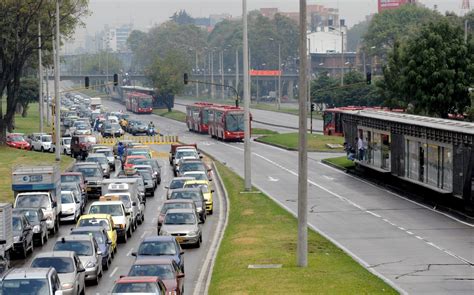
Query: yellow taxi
point(206, 191)
point(104, 220)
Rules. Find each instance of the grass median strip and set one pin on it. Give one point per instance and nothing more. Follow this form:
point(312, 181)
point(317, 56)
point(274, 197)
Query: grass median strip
point(340, 162)
point(11, 157)
point(174, 115)
point(261, 232)
point(261, 131)
point(316, 142)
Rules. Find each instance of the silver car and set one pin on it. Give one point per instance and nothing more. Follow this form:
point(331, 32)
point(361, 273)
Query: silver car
point(184, 225)
point(101, 159)
point(69, 269)
point(88, 251)
point(28, 280)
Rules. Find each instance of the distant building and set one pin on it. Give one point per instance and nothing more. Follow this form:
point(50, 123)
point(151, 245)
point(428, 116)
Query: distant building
point(328, 39)
point(113, 38)
point(392, 4)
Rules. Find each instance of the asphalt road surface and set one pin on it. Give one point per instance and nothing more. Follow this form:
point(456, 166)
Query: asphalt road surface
point(409, 245)
point(193, 257)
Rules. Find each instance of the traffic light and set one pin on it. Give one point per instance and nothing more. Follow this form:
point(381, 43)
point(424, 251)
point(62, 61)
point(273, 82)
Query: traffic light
point(368, 78)
point(115, 80)
point(86, 82)
point(312, 107)
point(186, 79)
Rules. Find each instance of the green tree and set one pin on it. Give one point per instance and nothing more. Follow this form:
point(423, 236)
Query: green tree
point(432, 71)
point(19, 42)
point(28, 92)
point(395, 24)
point(182, 18)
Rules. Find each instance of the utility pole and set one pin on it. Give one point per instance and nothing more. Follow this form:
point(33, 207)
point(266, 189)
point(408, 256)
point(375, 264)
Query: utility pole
point(40, 74)
point(48, 118)
point(197, 66)
point(342, 57)
point(237, 70)
point(247, 153)
point(302, 241)
point(57, 104)
point(363, 59)
point(279, 76)
point(212, 74)
point(222, 75)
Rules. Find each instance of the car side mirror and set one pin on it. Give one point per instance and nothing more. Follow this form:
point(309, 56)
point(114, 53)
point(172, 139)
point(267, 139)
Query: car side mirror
point(212, 190)
point(167, 187)
point(209, 170)
point(54, 204)
point(181, 252)
point(99, 252)
point(200, 157)
point(134, 203)
point(127, 214)
point(78, 202)
point(116, 227)
point(109, 242)
point(134, 254)
point(27, 228)
point(180, 275)
point(81, 269)
point(43, 219)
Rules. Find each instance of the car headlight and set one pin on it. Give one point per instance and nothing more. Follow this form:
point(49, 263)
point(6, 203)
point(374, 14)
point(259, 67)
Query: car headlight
point(36, 229)
point(90, 264)
point(67, 286)
point(16, 239)
point(193, 233)
point(199, 209)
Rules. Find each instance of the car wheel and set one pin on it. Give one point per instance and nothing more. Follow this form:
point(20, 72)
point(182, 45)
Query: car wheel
point(143, 217)
point(65, 152)
point(211, 211)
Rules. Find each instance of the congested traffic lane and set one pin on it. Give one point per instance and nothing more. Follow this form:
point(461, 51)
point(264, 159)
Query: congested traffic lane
point(415, 248)
point(123, 260)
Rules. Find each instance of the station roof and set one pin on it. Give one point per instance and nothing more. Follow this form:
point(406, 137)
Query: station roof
point(429, 122)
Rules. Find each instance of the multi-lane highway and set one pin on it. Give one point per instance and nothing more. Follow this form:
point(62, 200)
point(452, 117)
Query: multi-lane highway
point(414, 248)
point(194, 257)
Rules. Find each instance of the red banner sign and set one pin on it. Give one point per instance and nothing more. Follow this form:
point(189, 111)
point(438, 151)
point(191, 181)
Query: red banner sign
point(265, 73)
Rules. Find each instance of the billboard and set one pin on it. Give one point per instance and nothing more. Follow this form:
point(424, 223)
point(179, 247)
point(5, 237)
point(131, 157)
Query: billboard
point(265, 73)
point(391, 4)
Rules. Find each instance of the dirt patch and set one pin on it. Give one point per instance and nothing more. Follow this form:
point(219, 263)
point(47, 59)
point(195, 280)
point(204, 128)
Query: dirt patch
point(247, 212)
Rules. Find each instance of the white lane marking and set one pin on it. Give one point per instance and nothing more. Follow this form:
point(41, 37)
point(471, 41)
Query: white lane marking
point(154, 220)
point(397, 195)
point(130, 252)
point(409, 232)
point(113, 272)
point(143, 234)
point(402, 228)
point(272, 179)
point(356, 205)
point(327, 177)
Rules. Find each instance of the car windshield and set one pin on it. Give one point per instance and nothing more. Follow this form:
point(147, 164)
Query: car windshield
point(94, 222)
point(134, 161)
point(146, 175)
point(137, 153)
point(193, 166)
point(46, 138)
point(82, 127)
point(100, 160)
point(61, 264)
point(181, 154)
point(157, 248)
point(115, 126)
point(32, 201)
point(32, 216)
point(24, 286)
point(235, 122)
point(125, 200)
point(67, 198)
point(82, 248)
point(114, 210)
point(187, 195)
point(180, 205)
point(180, 218)
point(68, 186)
point(149, 288)
point(89, 139)
point(99, 237)
point(164, 271)
point(16, 138)
point(144, 103)
point(16, 223)
point(177, 183)
point(88, 171)
point(107, 153)
point(202, 186)
point(70, 178)
point(67, 141)
point(197, 176)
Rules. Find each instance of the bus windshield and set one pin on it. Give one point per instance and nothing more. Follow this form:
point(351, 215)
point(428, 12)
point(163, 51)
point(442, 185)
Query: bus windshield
point(235, 122)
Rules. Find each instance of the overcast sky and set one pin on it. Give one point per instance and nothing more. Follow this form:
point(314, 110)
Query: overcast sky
point(143, 13)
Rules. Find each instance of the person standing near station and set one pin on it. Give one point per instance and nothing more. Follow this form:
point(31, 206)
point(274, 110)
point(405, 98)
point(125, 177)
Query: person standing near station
point(360, 148)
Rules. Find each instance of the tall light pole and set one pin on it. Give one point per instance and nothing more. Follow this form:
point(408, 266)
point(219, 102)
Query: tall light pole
point(222, 74)
point(342, 57)
point(247, 153)
point(40, 74)
point(212, 74)
point(302, 243)
point(278, 99)
point(57, 104)
point(48, 118)
point(197, 66)
point(237, 69)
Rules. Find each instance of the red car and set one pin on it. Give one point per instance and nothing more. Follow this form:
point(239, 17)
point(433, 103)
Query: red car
point(17, 141)
point(165, 268)
point(142, 285)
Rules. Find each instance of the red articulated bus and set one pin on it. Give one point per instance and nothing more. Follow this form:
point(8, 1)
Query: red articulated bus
point(226, 123)
point(332, 122)
point(139, 103)
point(197, 116)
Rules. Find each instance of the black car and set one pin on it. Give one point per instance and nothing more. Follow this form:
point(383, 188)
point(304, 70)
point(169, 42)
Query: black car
point(22, 235)
point(194, 194)
point(37, 220)
point(154, 164)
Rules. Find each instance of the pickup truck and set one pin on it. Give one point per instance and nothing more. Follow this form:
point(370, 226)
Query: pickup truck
point(174, 146)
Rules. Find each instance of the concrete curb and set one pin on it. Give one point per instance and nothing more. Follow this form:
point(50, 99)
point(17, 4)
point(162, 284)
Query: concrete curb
point(208, 265)
point(334, 165)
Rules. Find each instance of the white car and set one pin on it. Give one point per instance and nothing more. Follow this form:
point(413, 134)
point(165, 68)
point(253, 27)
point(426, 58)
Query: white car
point(42, 142)
point(70, 207)
point(66, 145)
point(120, 216)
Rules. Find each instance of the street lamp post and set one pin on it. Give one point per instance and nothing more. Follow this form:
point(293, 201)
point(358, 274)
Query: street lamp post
point(197, 67)
point(57, 104)
point(278, 100)
point(40, 72)
point(247, 152)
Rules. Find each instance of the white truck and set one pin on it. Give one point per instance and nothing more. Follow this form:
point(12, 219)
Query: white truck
point(39, 187)
point(6, 235)
point(96, 103)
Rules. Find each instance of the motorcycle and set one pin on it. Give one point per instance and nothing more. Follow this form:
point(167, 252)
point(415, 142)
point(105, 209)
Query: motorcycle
point(151, 131)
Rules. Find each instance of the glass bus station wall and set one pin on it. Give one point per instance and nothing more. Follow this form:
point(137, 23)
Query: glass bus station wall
point(443, 164)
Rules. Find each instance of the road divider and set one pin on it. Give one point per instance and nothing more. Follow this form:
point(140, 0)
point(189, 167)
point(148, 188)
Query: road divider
point(146, 140)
